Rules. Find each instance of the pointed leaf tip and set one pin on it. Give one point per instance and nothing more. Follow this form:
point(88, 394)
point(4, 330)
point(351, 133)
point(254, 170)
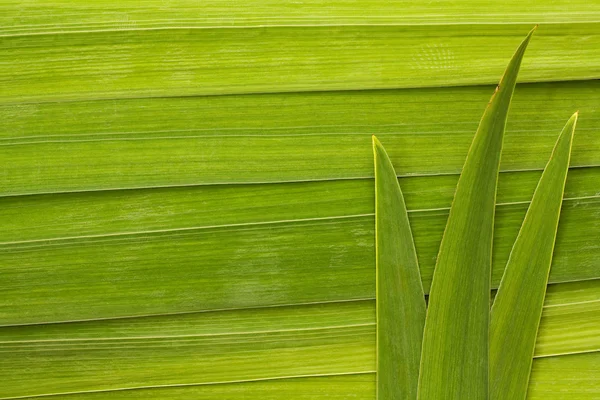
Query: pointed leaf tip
point(399, 292)
point(376, 141)
point(517, 308)
point(454, 365)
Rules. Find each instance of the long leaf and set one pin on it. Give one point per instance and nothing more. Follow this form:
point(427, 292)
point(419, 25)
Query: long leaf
point(65, 15)
point(517, 308)
point(555, 378)
point(399, 294)
point(110, 144)
point(216, 61)
point(119, 211)
point(454, 362)
point(209, 347)
point(127, 66)
point(327, 259)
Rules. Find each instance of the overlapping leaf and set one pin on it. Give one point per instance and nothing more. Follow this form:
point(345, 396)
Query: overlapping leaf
point(209, 347)
point(124, 66)
point(517, 308)
point(454, 361)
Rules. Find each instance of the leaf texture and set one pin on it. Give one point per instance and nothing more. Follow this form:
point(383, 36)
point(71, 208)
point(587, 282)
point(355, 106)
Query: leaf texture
point(128, 14)
point(517, 308)
point(555, 378)
point(399, 291)
point(236, 345)
point(325, 259)
point(454, 365)
point(112, 143)
point(229, 60)
point(119, 176)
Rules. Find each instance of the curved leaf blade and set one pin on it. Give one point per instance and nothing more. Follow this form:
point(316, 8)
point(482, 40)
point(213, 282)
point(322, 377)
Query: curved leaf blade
point(517, 309)
point(400, 298)
point(454, 361)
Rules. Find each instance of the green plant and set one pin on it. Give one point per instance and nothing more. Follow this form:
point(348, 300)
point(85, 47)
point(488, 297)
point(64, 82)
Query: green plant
point(187, 187)
point(459, 334)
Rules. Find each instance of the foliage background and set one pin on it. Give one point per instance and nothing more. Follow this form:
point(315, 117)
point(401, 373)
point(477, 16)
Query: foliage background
point(194, 180)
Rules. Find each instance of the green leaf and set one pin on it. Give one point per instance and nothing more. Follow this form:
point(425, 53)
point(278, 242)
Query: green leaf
point(570, 319)
point(64, 15)
point(176, 201)
point(554, 378)
point(517, 308)
point(113, 143)
point(454, 365)
point(399, 294)
point(169, 62)
point(210, 347)
point(317, 240)
point(228, 346)
point(566, 377)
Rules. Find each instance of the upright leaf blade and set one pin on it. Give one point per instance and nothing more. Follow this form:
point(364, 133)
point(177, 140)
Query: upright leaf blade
point(400, 298)
point(517, 309)
point(454, 362)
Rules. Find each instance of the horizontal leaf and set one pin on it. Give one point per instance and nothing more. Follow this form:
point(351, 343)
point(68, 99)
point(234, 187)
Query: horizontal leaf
point(23, 17)
point(233, 345)
point(280, 263)
point(341, 387)
point(103, 364)
point(572, 329)
point(183, 62)
point(570, 376)
point(122, 211)
point(571, 293)
point(267, 319)
point(113, 142)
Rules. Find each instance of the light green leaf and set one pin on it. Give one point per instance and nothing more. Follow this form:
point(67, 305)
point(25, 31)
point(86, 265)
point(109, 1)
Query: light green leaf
point(294, 243)
point(454, 362)
point(517, 308)
point(327, 338)
point(169, 62)
point(570, 320)
point(399, 294)
point(231, 346)
point(566, 377)
point(64, 15)
point(554, 378)
point(160, 200)
point(92, 145)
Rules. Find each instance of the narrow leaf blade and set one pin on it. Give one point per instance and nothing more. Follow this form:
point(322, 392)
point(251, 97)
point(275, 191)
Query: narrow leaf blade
point(454, 363)
point(400, 297)
point(517, 309)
